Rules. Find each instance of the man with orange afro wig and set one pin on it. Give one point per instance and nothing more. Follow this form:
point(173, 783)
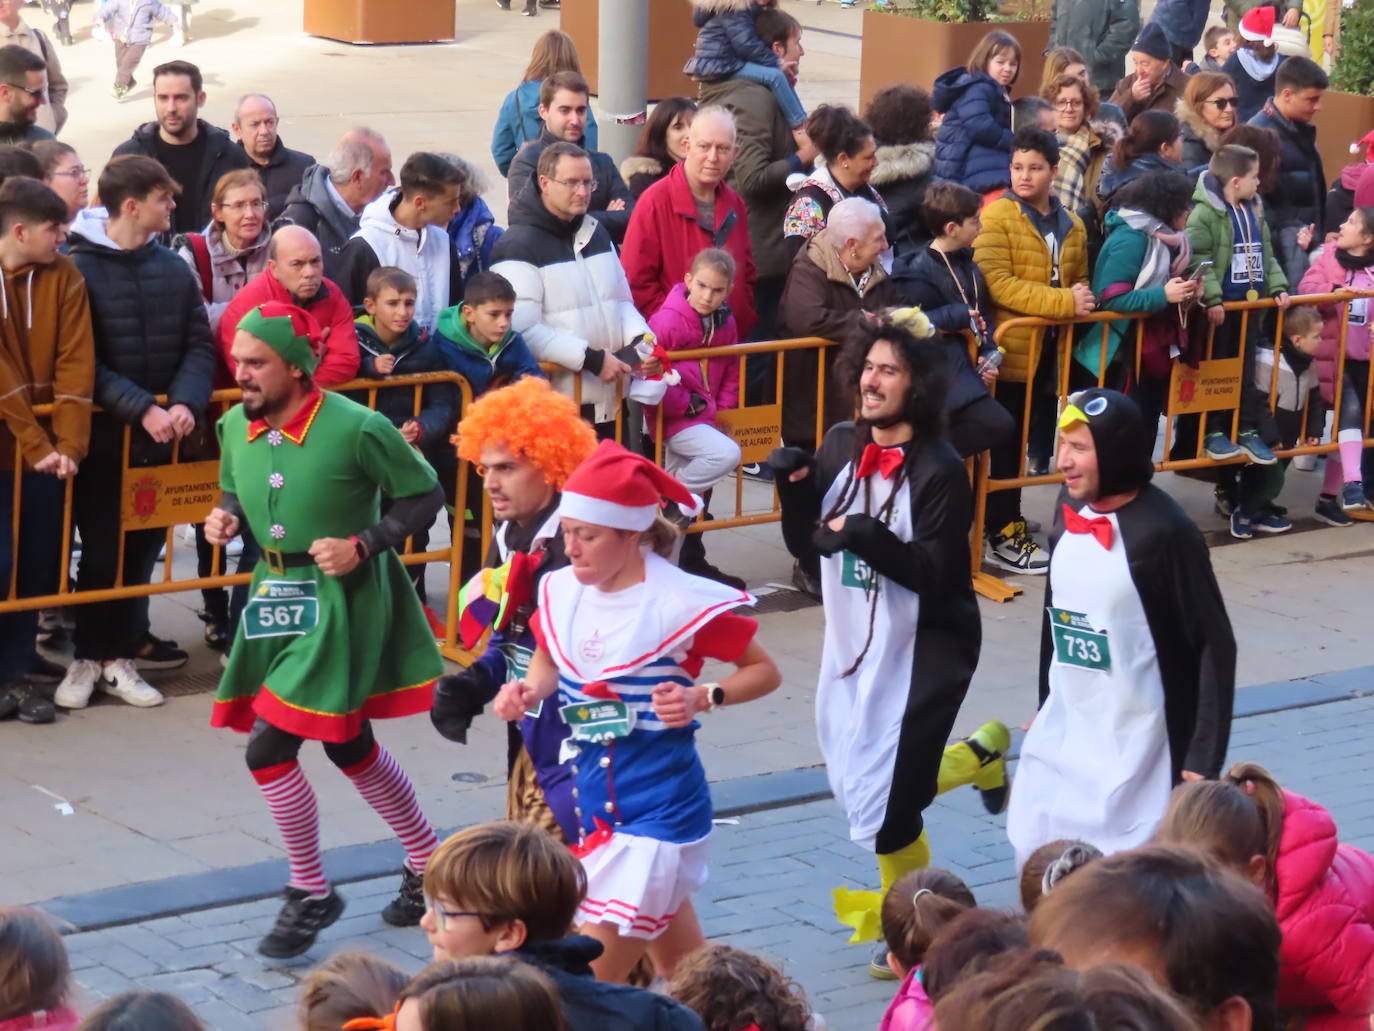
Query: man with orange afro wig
point(525, 440)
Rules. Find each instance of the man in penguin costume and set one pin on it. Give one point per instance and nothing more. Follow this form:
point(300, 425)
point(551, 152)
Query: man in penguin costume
point(1137, 658)
point(886, 503)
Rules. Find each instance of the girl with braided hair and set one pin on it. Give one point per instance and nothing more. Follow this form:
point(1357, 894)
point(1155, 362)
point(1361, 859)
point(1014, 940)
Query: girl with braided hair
point(886, 504)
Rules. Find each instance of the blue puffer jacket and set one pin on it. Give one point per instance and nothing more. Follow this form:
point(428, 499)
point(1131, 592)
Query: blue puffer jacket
point(474, 233)
point(727, 39)
point(973, 145)
point(415, 353)
point(1113, 179)
point(518, 122)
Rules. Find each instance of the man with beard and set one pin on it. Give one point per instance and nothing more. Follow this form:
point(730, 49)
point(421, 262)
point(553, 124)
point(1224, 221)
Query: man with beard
point(333, 636)
point(1137, 657)
point(23, 80)
point(194, 152)
point(526, 439)
point(886, 503)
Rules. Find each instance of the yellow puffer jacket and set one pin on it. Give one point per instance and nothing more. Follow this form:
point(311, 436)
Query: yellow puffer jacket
point(1016, 261)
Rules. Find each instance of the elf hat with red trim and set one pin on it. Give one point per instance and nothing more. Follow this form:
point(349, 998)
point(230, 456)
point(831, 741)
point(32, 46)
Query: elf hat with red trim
point(617, 488)
point(1258, 24)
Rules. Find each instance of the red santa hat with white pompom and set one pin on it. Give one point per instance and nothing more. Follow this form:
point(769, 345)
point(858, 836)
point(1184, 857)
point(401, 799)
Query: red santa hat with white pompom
point(620, 489)
point(1258, 24)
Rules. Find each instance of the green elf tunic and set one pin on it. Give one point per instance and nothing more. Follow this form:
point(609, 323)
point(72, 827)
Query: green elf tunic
point(315, 654)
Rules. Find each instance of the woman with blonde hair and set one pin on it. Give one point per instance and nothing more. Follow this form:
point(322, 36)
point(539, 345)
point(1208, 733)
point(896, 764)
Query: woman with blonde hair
point(518, 122)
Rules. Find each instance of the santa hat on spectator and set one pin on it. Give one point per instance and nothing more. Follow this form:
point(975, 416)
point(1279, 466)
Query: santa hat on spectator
point(622, 490)
point(1367, 144)
point(1258, 24)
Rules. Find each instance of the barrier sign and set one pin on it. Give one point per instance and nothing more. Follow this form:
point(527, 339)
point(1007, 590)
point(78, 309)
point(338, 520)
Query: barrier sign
point(757, 430)
point(1213, 386)
point(156, 496)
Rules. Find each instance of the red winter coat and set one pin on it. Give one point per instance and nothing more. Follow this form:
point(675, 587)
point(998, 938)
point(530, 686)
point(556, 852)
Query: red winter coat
point(664, 236)
point(330, 309)
point(1325, 909)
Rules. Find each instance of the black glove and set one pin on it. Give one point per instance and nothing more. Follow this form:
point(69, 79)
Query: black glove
point(458, 700)
point(786, 460)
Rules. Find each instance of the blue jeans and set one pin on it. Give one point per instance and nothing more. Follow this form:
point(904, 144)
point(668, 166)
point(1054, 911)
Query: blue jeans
point(782, 90)
point(39, 554)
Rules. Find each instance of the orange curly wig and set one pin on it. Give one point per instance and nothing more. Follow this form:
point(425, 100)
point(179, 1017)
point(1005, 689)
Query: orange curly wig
point(534, 421)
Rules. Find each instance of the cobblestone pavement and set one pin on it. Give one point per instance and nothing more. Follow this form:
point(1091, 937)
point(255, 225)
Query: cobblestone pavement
point(771, 878)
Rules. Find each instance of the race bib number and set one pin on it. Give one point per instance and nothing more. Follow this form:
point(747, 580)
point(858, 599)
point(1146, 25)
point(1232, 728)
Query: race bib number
point(1359, 312)
point(1077, 644)
point(598, 721)
point(517, 658)
point(281, 608)
point(1247, 264)
point(856, 573)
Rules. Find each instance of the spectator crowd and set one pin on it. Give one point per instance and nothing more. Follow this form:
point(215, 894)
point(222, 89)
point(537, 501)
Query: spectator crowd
point(1133, 179)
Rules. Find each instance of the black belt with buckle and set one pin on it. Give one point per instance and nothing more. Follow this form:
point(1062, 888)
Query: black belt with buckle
point(279, 561)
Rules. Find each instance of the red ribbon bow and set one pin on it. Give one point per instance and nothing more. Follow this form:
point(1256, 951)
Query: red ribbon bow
point(386, 1023)
point(1099, 526)
point(885, 460)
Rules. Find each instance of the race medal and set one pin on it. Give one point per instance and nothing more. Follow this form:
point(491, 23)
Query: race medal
point(1252, 294)
point(598, 721)
point(281, 608)
point(855, 572)
point(1077, 644)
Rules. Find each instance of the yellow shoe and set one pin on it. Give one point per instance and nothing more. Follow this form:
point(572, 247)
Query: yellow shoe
point(892, 866)
point(862, 910)
point(990, 743)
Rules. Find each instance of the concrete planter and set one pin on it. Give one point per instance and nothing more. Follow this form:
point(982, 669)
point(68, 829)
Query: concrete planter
point(898, 49)
point(378, 21)
point(1343, 119)
point(672, 37)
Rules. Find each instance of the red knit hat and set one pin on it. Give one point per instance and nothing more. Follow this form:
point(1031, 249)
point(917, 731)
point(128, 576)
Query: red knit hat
point(1258, 24)
point(617, 488)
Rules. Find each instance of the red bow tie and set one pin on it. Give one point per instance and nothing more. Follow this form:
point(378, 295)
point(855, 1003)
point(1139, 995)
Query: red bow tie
point(1100, 526)
point(885, 460)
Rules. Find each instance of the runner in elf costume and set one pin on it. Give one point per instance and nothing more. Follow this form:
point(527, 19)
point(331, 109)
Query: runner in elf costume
point(1137, 658)
point(886, 502)
point(622, 635)
point(526, 439)
point(333, 635)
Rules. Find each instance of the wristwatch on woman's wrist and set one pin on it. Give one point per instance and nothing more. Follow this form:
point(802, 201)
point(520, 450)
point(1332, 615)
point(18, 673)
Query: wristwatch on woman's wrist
point(715, 696)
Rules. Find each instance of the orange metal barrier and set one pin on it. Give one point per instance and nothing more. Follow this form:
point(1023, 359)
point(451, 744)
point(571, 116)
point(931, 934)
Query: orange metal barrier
point(198, 482)
point(995, 588)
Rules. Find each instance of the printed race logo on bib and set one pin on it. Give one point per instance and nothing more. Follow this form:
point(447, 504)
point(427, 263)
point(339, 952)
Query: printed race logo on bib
point(281, 608)
point(1077, 644)
point(855, 572)
point(598, 721)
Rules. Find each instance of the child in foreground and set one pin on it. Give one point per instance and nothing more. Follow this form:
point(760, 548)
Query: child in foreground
point(1322, 891)
point(915, 909)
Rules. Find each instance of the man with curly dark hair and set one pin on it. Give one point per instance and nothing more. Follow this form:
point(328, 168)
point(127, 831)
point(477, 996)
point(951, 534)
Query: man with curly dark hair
point(886, 503)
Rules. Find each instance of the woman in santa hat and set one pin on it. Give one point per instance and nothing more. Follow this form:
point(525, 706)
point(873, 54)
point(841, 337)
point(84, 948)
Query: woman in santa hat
point(622, 635)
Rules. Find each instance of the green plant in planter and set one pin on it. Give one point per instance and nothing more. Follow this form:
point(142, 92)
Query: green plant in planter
point(1354, 71)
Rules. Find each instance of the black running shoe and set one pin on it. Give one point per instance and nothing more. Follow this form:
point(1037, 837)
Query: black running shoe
point(300, 920)
point(408, 906)
point(156, 653)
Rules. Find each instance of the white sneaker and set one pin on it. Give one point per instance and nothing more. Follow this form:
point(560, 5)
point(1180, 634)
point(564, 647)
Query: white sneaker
point(75, 690)
point(120, 678)
point(1014, 550)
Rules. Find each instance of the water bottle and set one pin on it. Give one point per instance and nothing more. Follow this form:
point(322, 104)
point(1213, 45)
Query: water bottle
point(992, 361)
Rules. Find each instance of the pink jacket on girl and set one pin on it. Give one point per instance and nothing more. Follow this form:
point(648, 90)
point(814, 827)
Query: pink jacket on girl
point(678, 327)
point(911, 1009)
point(1325, 908)
point(1323, 277)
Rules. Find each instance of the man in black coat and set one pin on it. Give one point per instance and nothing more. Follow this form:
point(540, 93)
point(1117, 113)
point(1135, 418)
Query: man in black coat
point(1296, 207)
point(152, 338)
point(194, 152)
point(281, 168)
point(563, 107)
point(329, 199)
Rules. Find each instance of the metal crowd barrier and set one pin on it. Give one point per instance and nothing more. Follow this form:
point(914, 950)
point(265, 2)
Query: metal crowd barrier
point(1214, 386)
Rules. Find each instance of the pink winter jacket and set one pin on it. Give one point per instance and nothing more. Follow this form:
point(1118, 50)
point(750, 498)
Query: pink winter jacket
point(1325, 909)
point(678, 327)
point(1323, 277)
point(911, 1009)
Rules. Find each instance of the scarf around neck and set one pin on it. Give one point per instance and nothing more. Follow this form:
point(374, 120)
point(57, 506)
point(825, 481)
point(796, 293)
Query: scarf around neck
point(1168, 254)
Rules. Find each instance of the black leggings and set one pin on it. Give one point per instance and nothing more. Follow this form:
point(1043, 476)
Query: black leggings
point(270, 746)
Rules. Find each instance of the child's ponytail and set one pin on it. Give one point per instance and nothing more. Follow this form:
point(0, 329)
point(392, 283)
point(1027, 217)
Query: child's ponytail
point(915, 909)
point(1218, 817)
point(1264, 792)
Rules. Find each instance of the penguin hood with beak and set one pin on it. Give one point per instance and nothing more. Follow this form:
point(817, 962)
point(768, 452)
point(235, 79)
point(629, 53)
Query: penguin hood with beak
point(1120, 437)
